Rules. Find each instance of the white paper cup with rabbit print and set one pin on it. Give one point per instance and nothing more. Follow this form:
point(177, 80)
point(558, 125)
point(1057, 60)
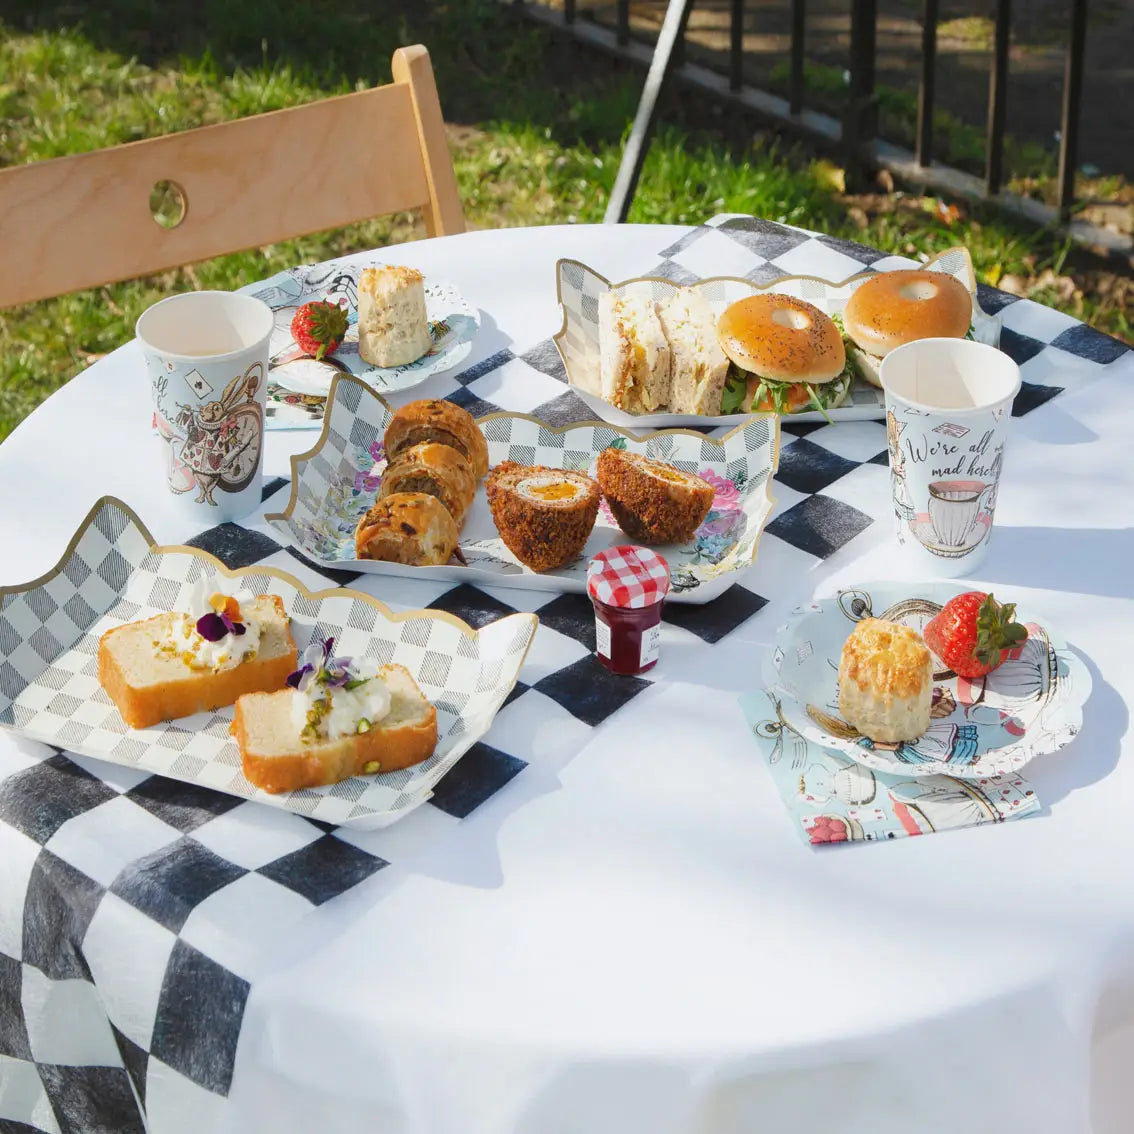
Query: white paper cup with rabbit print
point(207, 356)
point(948, 408)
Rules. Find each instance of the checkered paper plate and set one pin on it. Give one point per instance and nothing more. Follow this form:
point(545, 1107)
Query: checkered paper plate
point(112, 573)
point(579, 286)
point(337, 481)
point(1032, 704)
point(298, 384)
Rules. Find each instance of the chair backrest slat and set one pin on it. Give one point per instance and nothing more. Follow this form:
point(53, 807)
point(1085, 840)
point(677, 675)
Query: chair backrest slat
point(76, 222)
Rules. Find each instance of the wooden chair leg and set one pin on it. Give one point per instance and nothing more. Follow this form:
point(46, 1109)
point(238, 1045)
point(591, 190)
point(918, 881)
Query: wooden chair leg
point(443, 214)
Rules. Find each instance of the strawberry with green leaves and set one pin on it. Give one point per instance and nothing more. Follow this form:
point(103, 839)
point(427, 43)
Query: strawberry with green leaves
point(973, 633)
point(318, 328)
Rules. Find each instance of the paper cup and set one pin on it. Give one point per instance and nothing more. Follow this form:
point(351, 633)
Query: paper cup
point(948, 405)
point(207, 356)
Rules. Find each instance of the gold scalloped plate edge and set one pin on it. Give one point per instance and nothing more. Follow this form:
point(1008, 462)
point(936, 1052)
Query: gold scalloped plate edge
point(105, 502)
point(958, 249)
point(301, 458)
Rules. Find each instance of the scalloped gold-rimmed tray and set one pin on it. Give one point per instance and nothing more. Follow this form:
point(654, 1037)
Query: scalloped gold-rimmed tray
point(334, 483)
point(579, 286)
point(112, 572)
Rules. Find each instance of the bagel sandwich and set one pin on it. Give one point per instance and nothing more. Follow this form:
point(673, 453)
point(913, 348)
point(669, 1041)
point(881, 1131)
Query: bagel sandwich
point(895, 308)
point(786, 357)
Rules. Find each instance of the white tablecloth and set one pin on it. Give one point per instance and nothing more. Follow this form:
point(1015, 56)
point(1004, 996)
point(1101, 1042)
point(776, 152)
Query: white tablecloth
point(593, 950)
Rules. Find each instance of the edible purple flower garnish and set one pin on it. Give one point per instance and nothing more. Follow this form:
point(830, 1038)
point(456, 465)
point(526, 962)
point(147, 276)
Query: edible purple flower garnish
point(318, 665)
point(212, 627)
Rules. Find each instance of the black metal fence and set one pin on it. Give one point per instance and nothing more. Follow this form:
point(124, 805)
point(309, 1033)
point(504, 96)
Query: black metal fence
point(855, 132)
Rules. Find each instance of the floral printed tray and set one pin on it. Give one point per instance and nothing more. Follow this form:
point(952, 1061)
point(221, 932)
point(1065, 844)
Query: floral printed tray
point(981, 727)
point(336, 482)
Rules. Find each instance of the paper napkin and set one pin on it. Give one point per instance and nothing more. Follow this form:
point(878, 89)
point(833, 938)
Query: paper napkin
point(831, 799)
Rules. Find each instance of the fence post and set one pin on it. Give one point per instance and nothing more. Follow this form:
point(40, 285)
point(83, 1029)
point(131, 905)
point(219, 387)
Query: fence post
point(997, 99)
point(860, 122)
point(798, 29)
point(736, 46)
point(638, 144)
point(928, 81)
point(1072, 91)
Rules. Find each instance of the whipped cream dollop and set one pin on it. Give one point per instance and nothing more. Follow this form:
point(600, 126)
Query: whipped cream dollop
point(336, 697)
point(233, 636)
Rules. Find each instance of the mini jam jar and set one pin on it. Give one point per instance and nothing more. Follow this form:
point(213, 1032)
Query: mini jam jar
point(627, 586)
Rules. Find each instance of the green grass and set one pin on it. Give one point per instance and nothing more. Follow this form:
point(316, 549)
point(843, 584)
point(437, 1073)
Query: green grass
point(537, 133)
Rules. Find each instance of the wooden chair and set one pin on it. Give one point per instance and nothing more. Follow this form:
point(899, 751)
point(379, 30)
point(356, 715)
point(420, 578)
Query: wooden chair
point(76, 222)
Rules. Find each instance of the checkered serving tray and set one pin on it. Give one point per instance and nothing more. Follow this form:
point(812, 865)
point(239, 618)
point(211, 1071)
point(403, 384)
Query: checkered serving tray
point(335, 483)
point(579, 287)
point(112, 573)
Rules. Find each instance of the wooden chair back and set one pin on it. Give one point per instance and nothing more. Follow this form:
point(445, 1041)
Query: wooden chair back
point(77, 222)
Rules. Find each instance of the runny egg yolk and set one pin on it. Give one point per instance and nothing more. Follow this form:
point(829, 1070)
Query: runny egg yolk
point(560, 490)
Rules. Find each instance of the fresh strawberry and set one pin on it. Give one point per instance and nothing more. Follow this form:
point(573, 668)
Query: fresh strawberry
point(318, 328)
point(974, 633)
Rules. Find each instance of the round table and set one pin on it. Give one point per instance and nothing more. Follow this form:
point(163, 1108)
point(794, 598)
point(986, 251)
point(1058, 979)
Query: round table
point(630, 937)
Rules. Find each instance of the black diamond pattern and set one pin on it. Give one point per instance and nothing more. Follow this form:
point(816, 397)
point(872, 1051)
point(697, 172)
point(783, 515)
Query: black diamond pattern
point(711, 621)
point(336, 575)
point(235, 546)
point(808, 467)
point(467, 400)
point(486, 366)
point(571, 615)
point(472, 606)
point(545, 357)
point(168, 884)
point(39, 800)
point(1019, 348)
point(478, 775)
point(58, 907)
point(1086, 342)
point(589, 691)
point(324, 869)
point(13, 1033)
point(819, 524)
point(1032, 396)
point(91, 1100)
point(198, 1018)
point(135, 1059)
point(181, 805)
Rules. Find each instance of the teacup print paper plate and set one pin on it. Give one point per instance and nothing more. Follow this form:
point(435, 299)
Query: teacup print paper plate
point(1030, 705)
point(111, 573)
point(336, 482)
point(298, 384)
point(579, 286)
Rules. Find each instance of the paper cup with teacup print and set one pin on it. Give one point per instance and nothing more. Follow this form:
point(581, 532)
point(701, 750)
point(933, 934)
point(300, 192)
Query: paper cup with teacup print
point(948, 408)
point(207, 356)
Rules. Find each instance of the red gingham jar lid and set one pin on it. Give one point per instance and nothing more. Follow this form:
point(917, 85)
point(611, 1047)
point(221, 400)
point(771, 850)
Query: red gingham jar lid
point(628, 577)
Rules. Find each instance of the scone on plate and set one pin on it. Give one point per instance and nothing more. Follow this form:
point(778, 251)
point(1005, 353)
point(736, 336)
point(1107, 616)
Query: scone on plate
point(886, 681)
point(393, 329)
point(185, 662)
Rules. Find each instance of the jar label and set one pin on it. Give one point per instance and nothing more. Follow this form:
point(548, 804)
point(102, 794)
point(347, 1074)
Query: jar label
point(602, 638)
point(651, 640)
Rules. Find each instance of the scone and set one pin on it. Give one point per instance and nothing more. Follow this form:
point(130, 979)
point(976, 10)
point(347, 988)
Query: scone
point(886, 681)
point(652, 502)
point(393, 329)
point(163, 668)
point(407, 527)
point(544, 516)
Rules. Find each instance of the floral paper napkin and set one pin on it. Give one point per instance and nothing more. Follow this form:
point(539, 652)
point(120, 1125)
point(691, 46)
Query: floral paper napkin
point(831, 799)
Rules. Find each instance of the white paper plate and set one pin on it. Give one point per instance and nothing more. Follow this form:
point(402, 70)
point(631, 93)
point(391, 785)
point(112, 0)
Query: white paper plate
point(1030, 705)
point(112, 573)
point(335, 483)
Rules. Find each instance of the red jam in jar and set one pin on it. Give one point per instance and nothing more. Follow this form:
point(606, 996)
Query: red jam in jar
point(627, 586)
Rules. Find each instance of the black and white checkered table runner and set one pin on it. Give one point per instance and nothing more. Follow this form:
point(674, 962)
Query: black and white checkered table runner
point(134, 910)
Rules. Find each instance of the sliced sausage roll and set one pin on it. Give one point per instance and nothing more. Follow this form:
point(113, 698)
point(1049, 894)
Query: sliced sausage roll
point(407, 527)
point(434, 468)
point(437, 420)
